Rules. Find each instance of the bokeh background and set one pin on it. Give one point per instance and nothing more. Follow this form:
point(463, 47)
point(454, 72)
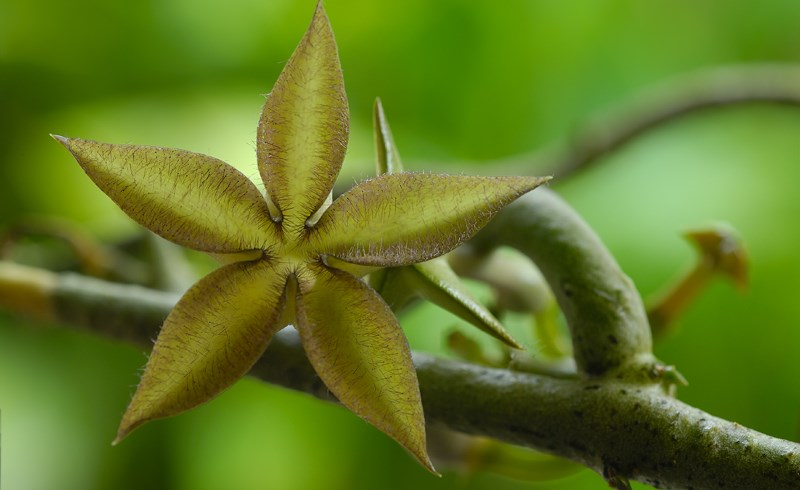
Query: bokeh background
point(461, 82)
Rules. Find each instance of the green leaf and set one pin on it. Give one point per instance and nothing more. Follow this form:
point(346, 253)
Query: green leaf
point(356, 346)
point(191, 199)
point(388, 157)
point(212, 337)
point(302, 134)
point(405, 218)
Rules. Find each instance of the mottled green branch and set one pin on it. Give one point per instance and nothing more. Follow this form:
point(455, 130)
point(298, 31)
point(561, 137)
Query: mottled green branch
point(610, 426)
point(126, 312)
point(604, 311)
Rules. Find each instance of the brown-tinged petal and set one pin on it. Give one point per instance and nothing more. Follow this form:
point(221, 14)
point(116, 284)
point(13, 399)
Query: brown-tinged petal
point(302, 134)
point(212, 337)
point(358, 349)
point(405, 218)
point(191, 199)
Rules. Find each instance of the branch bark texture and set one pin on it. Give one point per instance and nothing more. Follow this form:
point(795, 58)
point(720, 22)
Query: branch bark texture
point(604, 311)
point(610, 426)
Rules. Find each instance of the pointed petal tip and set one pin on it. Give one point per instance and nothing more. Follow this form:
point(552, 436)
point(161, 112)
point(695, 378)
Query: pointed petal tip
point(125, 428)
point(537, 181)
point(502, 335)
point(512, 342)
point(429, 466)
point(132, 419)
point(319, 11)
point(61, 139)
point(524, 183)
point(426, 462)
point(419, 451)
point(530, 183)
point(499, 333)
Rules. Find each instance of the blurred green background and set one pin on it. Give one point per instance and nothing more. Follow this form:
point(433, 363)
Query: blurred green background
point(461, 81)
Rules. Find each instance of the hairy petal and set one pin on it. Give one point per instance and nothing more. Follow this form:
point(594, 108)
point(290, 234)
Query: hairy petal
point(435, 281)
point(212, 337)
point(302, 134)
point(356, 346)
point(388, 158)
point(405, 218)
point(191, 199)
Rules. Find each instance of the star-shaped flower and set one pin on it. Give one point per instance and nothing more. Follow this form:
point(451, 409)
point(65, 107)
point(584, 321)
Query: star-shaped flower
point(290, 255)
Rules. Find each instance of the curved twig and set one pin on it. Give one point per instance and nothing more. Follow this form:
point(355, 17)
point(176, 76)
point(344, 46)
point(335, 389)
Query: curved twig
point(777, 84)
point(604, 311)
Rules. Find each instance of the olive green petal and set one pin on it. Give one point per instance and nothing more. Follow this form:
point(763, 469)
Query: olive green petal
point(405, 218)
point(394, 286)
point(212, 337)
point(358, 349)
point(191, 199)
point(388, 158)
point(302, 134)
point(435, 281)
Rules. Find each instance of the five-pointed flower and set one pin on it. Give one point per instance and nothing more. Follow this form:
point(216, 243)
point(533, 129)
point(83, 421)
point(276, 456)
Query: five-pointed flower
point(289, 255)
